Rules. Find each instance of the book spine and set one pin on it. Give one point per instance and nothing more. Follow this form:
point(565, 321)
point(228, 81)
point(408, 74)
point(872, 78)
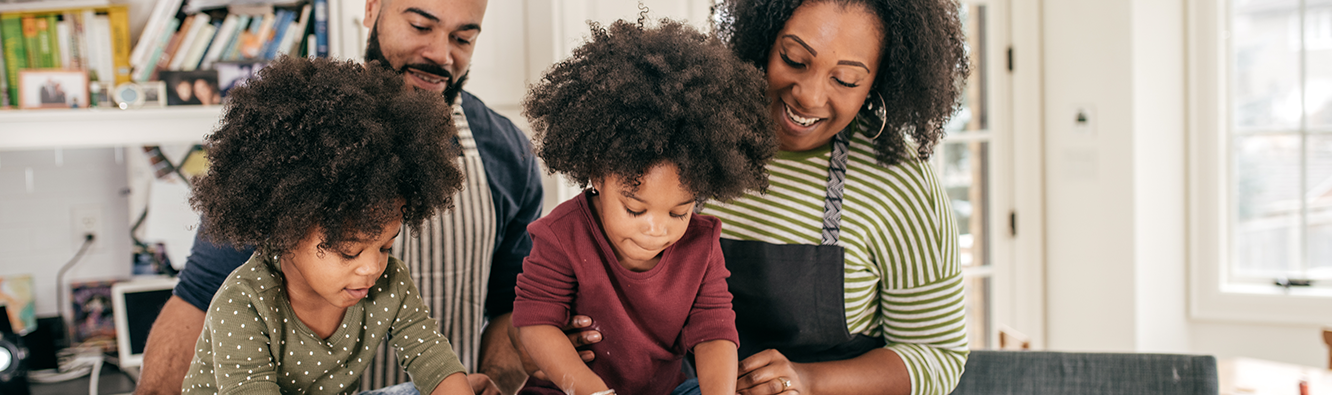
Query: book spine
point(101, 33)
point(66, 48)
point(46, 37)
point(30, 42)
point(172, 48)
point(196, 23)
point(16, 56)
point(298, 32)
point(200, 45)
point(279, 33)
point(146, 73)
point(118, 17)
point(321, 28)
point(238, 37)
point(253, 47)
point(163, 11)
point(4, 74)
point(220, 42)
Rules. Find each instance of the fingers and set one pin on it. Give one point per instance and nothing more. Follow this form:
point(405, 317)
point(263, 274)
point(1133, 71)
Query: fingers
point(767, 373)
point(578, 322)
point(584, 338)
point(482, 384)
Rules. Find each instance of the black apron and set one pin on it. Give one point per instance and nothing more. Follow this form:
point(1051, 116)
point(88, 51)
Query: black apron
point(790, 297)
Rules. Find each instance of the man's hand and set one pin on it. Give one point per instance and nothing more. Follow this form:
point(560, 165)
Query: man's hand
point(581, 333)
point(482, 385)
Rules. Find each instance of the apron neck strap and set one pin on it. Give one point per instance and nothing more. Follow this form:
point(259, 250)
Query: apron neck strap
point(832, 203)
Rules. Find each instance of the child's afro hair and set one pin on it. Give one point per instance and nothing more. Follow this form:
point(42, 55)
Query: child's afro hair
point(325, 144)
point(634, 97)
point(922, 65)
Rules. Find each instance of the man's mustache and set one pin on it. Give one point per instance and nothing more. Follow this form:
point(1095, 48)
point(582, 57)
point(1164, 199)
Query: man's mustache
point(429, 68)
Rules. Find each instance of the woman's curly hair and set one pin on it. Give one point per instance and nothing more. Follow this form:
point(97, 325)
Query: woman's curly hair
point(327, 144)
point(636, 96)
point(922, 65)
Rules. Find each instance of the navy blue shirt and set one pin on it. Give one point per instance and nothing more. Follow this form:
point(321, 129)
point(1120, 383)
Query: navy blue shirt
point(515, 186)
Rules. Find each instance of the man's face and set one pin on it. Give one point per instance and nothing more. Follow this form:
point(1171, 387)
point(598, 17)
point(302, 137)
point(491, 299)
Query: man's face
point(429, 41)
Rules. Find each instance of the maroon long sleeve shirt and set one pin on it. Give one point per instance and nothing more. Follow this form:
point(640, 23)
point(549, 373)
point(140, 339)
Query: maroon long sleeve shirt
point(648, 320)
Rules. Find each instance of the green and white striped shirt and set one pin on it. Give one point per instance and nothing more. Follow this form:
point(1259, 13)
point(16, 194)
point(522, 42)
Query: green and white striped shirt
point(903, 279)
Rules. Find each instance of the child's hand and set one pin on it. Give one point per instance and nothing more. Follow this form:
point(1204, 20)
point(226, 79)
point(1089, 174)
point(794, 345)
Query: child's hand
point(579, 335)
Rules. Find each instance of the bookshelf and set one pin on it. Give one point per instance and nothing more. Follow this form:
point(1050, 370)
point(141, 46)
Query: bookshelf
point(112, 127)
point(42, 129)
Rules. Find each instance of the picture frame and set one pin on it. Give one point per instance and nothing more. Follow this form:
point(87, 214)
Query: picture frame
point(196, 87)
point(52, 88)
point(139, 95)
point(233, 74)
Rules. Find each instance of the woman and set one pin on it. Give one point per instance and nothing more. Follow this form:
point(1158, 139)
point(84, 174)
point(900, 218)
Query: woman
point(845, 273)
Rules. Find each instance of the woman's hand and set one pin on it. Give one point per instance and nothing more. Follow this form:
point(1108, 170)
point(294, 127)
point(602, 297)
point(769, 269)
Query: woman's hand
point(579, 335)
point(769, 372)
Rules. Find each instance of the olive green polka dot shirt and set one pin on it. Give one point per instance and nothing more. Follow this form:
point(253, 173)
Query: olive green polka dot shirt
point(252, 341)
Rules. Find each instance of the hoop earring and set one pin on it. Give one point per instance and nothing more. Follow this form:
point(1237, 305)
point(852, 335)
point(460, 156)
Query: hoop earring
point(880, 112)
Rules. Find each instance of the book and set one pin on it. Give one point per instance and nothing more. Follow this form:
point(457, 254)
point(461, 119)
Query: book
point(246, 35)
point(253, 47)
point(150, 67)
point(201, 43)
point(4, 75)
point(63, 45)
point(16, 56)
point(230, 48)
point(163, 11)
point(197, 22)
point(279, 32)
point(31, 42)
point(321, 28)
point(118, 20)
point(170, 52)
point(296, 33)
point(220, 42)
point(101, 34)
point(46, 38)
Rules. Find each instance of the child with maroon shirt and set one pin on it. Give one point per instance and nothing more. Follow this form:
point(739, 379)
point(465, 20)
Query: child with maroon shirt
point(654, 120)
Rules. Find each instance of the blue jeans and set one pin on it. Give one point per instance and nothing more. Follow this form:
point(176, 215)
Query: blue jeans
point(400, 389)
point(689, 387)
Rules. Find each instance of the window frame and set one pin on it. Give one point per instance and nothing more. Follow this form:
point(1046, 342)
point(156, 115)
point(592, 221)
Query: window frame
point(1210, 173)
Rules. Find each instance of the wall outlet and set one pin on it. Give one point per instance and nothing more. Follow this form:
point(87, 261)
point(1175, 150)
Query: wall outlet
point(86, 219)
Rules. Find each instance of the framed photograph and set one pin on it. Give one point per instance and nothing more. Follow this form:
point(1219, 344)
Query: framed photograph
point(154, 94)
point(198, 87)
point(234, 74)
point(139, 95)
point(50, 88)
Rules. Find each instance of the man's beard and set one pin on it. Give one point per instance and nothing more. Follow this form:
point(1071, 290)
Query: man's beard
point(452, 87)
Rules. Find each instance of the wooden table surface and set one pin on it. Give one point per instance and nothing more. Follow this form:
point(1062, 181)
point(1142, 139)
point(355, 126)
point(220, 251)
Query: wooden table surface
point(1248, 376)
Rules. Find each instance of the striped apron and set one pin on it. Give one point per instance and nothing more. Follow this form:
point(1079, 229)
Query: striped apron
point(450, 261)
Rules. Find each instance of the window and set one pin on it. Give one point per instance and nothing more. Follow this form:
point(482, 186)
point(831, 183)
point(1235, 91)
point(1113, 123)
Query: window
point(1261, 159)
point(1281, 141)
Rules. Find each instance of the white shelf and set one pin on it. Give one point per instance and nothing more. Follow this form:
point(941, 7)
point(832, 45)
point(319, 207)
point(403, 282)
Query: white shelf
point(41, 129)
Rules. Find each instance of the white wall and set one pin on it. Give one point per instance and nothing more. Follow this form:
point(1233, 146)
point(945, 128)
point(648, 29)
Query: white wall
point(1115, 215)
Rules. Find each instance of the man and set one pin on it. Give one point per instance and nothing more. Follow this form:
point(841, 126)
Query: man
point(465, 262)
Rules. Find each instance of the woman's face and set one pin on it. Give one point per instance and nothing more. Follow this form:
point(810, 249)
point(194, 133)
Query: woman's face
point(640, 224)
point(819, 72)
point(341, 275)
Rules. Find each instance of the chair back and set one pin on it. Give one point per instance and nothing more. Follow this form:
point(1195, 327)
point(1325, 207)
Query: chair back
point(1037, 372)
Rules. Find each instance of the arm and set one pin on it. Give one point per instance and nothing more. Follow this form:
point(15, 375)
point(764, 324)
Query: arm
point(236, 336)
point(499, 359)
point(421, 349)
point(551, 351)
point(455, 384)
point(170, 346)
point(716, 366)
point(500, 362)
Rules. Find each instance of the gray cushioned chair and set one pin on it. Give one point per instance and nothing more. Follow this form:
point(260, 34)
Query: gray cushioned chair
point(1032, 372)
